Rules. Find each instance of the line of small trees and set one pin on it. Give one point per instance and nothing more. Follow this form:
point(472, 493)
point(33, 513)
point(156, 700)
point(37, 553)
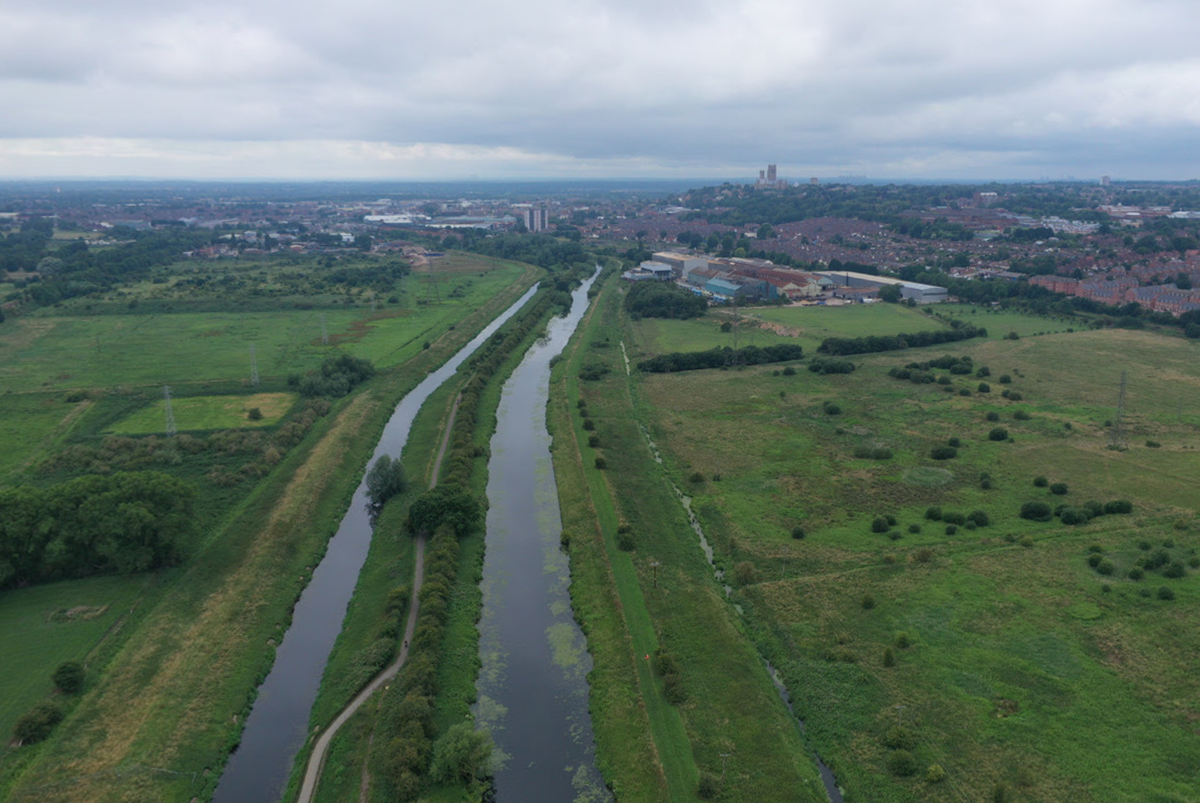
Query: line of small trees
point(720, 357)
point(844, 346)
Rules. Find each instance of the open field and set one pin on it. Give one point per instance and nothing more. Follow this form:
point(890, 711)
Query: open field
point(1024, 666)
point(42, 627)
point(49, 352)
point(207, 412)
point(31, 424)
point(1000, 323)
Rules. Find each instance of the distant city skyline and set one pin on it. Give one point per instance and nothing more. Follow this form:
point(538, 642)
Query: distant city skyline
point(267, 89)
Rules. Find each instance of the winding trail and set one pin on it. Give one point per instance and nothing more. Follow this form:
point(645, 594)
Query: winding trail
point(316, 761)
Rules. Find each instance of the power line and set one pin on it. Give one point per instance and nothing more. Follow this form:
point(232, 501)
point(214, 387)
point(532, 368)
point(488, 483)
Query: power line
point(253, 367)
point(324, 331)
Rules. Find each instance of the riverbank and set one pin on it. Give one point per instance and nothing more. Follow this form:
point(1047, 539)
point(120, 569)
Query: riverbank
point(389, 563)
point(171, 705)
point(737, 735)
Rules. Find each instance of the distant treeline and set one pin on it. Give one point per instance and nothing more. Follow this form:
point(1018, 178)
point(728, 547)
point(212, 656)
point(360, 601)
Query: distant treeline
point(121, 523)
point(842, 346)
point(719, 357)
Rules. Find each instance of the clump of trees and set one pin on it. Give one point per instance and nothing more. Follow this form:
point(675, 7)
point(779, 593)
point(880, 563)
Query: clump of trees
point(385, 480)
point(720, 357)
point(123, 523)
point(336, 377)
point(824, 365)
point(448, 504)
point(663, 300)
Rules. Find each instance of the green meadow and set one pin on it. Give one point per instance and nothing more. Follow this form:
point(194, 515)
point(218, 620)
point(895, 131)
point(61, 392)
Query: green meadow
point(1005, 656)
point(208, 412)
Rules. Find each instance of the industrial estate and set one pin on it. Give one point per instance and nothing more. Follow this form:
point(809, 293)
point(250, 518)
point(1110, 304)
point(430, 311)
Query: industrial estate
point(783, 490)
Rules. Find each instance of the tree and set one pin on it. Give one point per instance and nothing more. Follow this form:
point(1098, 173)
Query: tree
point(890, 293)
point(69, 677)
point(461, 754)
point(446, 504)
point(385, 480)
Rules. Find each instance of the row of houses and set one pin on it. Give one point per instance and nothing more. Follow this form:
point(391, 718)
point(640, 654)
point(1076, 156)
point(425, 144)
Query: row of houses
point(1124, 290)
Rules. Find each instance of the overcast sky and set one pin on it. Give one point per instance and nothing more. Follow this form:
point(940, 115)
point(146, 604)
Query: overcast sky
point(1008, 89)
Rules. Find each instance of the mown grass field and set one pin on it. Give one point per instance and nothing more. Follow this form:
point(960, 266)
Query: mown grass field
point(31, 424)
point(147, 705)
point(207, 412)
point(1026, 668)
point(1000, 323)
point(45, 351)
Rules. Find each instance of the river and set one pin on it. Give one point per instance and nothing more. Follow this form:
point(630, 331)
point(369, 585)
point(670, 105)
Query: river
point(533, 684)
point(275, 731)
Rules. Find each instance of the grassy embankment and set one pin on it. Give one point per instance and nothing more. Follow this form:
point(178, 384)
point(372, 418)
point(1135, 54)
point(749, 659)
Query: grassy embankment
point(730, 706)
point(151, 708)
point(388, 565)
point(1027, 670)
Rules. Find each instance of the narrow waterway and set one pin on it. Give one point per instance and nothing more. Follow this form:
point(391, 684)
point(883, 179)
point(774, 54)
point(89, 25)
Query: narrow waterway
point(533, 684)
point(275, 730)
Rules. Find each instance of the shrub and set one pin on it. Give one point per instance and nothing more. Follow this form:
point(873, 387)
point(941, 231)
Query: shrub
point(1144, 545)
point(1015, 396)
point(37, 724)
point(933, 513)
point(1000, 792)
point(1071, 515)
point(879, 525)
point(625, 540)
point(1174, 570)
point(1094, 560)
point(674, 690)
point(789, 371)
point(998, 434)
point(581, 404)
point(872, 453)
point(953, 517)
point(891, 520)
point(589, 424)
point(1036, 511)
point(593, 440)
point(709, 786)
point(951, 529)
point(985, 485)
point(895, 535)
point(914, 528)
point(889, 657)
point(901, 640)
point(1194, 561)
point(868, 602)
point(1135, 573)
point(1106, 568)
point(1005, 379)
point(696, 476)
point(983, 371)
point(1040, 482)
point(1058, 488)
point(832, 409)
point(943, 380)
point(901, 763)
point(601, 463)
point(943, 453)
point(935, 774)
point(924, 555)
point(1153, 444)
point(744, 573)
point(984, 387)
point(1165, 593)
point(1019, 415)
point(69, 677)
point(899, 737)
point(992, 416)
point(954, 442)
point(254, 414)
point(1118, 506)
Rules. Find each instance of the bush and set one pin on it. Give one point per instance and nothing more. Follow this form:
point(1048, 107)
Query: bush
point(998, 434)
point(1027, 542)
point(984, 387)
point(674, 690)
point(943, 453)
point(954, 442)
point(254, 414)
point(979, 517)
point(593, 440)
point(933, 513)
point(1005, 379)
point(36, 725)
point(1174, 570)
point(935, 774)
point(1058, 488)
point(600, 463)
point(385, 480)
point(1016, 396)
point(1106, 568)
point(1119, 506)
point(901, 763)
point(1020, 415)
point(951, 529)
point(924, 555)
point(1094, 560)
point(589, 424)
point(798, 533)
point(879, 525)
point(889, 657)
point(872, 453)
point(899, 737)
point(895, 535)
point(696, 476)
point(461, 754)
point(1135, 574)
point(1165, 593)
point(69, 677)
point(901, 640)
point(914, 528)
point(789, 371)
point(868, 602)
point(709, 786)
point(832, 409)
point(625, 541)
point(952, 517)
point(1036, 511)
point(448, 503)
point(1071, 515)
point(1040, 482)
point(993, 416)
point(745, 574)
